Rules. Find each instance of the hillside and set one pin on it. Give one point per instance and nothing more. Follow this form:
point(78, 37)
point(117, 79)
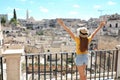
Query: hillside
point(108, 42)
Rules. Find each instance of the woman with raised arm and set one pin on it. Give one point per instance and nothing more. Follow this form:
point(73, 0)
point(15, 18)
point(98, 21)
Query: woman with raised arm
point(82, 40)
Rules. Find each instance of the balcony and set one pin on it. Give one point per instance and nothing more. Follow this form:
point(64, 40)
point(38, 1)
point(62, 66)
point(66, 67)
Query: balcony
point(103, 65)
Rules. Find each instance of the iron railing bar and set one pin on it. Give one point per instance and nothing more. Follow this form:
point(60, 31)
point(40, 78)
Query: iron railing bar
point(108, 65)
point(56, 67)
point(100, 65)
point(1, 68)
point(44, 66)
point(72, 67)
point(116, 62)
point(26, 67)
point(95, 64)
point(50, 66)
point(61, 66)
point(104, 50)
point(47, 53)
point(38, 67)
point(63, 52)
point(66, 64)
point(32, 67)
point(113, 63)
point(104, 65)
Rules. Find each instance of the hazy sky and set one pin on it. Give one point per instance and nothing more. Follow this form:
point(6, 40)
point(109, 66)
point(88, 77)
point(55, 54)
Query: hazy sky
point(50, 9)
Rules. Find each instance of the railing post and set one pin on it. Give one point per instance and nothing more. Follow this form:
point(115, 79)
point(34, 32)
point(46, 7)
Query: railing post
point(13, 57)
point(118, 64)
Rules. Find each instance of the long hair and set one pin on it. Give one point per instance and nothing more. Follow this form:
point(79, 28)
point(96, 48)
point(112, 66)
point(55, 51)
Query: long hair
point(83, 44)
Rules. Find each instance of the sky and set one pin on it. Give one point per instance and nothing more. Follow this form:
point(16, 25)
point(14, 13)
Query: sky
point(51, 9)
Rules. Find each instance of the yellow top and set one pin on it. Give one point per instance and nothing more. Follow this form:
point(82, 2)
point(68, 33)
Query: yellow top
point(77, 40)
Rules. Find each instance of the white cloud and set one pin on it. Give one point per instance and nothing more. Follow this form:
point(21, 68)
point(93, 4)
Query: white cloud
point(43, 9)
point(97, 6)
point(111, 3)
point(10, 14)
point(76, 6)
point(73, 13)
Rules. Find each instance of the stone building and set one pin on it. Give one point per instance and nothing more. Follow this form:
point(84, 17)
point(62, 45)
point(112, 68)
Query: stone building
point(112, 27)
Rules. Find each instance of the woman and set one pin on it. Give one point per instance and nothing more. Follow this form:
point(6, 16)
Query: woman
point(82, 40)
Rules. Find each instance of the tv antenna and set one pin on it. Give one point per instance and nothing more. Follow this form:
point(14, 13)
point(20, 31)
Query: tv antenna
point(101, 11)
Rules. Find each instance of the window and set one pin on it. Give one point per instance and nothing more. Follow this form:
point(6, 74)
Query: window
point(116, 25)
point(110, 25)
point(48, 50)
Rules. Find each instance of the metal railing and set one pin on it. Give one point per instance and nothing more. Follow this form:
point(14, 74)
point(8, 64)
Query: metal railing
point(61, 66)
point(1, 68)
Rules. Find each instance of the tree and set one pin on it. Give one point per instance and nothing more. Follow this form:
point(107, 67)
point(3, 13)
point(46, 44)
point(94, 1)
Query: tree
point(3, 21)
point(13, 20)
point(14, 16)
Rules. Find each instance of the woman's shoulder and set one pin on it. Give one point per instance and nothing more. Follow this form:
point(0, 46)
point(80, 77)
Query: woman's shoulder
point(76, 37)
point(89, 38)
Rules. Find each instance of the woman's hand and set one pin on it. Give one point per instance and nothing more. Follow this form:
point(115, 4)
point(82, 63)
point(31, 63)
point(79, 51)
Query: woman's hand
point(102, 23)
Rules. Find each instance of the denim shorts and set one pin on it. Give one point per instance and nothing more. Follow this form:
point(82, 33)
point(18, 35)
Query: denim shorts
point(81, 59)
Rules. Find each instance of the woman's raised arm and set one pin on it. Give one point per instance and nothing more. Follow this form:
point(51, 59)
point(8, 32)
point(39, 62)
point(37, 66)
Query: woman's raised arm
point(66, 28)
point(98, 28)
